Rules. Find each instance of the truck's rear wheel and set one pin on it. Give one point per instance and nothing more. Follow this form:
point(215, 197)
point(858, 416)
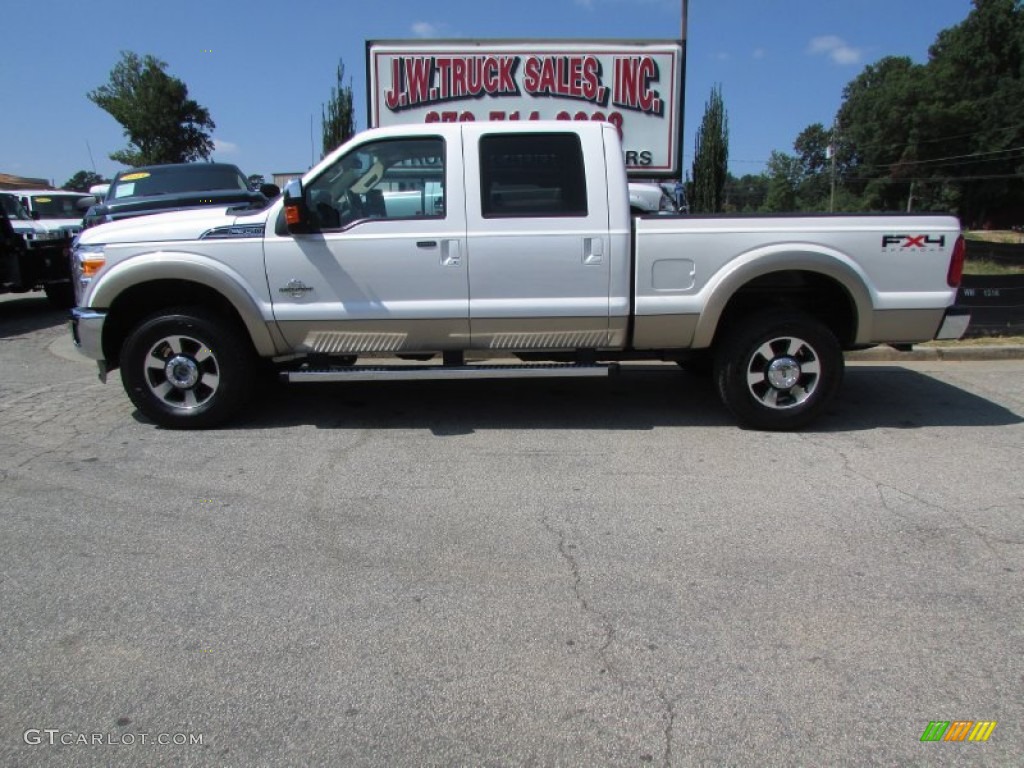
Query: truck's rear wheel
point(187, 368)
point(778, 370)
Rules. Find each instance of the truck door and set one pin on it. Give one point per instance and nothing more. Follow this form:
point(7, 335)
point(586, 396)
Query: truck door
point(538, 239)
point(385, 268)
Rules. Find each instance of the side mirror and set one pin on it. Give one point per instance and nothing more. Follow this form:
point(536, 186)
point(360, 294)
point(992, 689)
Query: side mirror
point(99, 191)
point(85, 203)
point(296, 214)
point(270, 191)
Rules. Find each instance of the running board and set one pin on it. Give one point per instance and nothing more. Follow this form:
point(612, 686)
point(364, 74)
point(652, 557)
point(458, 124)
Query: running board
point(435, 372)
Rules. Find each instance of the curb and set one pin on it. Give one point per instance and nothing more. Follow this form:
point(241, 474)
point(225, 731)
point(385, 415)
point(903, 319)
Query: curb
point(937, 354)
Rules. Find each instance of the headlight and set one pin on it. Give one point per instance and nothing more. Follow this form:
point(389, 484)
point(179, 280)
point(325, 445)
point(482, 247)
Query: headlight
point(86, 261)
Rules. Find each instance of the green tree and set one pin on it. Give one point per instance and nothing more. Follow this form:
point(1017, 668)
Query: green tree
point(948, 133)
point(337, 117)
point(745, 194)
point(813, 151)
point(82, 180)
point(161, 123)
point(973, 123)
point(711, 157)
point(785, 173)
point(879, 132)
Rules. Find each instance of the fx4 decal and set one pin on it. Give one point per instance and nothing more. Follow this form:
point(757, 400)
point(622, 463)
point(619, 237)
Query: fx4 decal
point(912, 241)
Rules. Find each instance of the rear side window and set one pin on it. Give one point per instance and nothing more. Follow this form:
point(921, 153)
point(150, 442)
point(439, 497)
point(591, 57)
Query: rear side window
point(532, 174)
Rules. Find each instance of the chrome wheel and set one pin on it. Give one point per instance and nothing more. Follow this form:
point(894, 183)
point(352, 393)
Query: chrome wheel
point(182, 372)
point(778, 369)
point(188, 368)
point(783, 372)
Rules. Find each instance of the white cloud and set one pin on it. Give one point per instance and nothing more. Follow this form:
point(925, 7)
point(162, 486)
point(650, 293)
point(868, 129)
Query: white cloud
point(225, 147)
point(836, 49)
point(426, 29)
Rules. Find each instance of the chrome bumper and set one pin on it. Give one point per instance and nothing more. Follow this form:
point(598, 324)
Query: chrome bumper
point(954, 324)
point(87, 332)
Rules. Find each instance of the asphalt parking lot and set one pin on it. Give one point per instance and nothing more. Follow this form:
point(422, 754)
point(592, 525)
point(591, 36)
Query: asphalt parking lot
point(595, 572)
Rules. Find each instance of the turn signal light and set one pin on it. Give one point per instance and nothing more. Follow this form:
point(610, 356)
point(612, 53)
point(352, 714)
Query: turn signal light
point(291, 214)
point(92, 265)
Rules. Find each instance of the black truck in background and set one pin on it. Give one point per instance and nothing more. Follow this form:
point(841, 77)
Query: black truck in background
point(40, 265)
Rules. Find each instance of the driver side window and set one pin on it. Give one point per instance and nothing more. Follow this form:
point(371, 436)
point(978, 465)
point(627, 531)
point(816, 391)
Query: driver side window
point(385, 179)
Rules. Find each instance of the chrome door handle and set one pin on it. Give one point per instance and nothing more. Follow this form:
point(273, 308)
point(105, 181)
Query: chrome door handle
point(450, 255)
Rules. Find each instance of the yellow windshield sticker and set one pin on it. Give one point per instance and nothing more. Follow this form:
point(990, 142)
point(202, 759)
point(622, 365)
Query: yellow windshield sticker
point(44, 200)
point(135, 176)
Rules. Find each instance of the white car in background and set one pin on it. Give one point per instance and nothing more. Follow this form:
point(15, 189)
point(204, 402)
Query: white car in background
point(55, 210)
point(649, 198)
point(31, 230)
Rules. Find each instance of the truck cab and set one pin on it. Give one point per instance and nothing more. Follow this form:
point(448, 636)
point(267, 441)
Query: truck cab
point(401, 214)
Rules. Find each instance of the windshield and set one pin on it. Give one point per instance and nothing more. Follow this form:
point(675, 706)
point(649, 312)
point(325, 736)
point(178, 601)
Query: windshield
point(13, 208)
point(200, 177)
point(56, 206)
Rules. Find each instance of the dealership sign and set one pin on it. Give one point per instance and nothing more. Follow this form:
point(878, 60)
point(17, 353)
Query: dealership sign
point(636, 86)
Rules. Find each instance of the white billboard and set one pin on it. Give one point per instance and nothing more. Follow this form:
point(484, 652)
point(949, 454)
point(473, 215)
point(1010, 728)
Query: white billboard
point(637, 86)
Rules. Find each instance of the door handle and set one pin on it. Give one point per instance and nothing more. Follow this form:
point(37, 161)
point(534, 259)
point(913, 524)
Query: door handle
point(593, 250)
point(450, 256)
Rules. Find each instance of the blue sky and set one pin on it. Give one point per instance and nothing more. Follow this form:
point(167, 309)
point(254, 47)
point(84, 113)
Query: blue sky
point(264, 68)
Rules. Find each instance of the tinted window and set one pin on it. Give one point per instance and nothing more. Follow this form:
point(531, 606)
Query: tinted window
point(56, 206)
point(536, 174)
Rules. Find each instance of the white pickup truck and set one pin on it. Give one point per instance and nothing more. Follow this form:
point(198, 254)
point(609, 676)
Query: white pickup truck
point(510, 240)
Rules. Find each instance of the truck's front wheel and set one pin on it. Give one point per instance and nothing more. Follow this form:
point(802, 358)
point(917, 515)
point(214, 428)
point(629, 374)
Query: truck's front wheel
point(186, 368)
point(778, 370)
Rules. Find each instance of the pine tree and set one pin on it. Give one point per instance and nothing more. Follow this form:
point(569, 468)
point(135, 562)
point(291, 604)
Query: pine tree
point(711, 157)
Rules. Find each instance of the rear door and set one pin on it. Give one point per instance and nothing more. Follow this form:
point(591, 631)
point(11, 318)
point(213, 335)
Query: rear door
point(537, 239)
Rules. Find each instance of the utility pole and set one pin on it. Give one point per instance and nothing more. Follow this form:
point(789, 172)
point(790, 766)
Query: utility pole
point(832, 151)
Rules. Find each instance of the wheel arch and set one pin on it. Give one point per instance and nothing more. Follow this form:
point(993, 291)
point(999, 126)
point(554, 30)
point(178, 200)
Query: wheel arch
point(142, 299)
point(825, 285)
point(140, 289)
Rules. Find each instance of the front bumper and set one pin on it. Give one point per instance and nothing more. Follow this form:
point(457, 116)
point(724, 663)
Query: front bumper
point(87, 333)
point(954, 324)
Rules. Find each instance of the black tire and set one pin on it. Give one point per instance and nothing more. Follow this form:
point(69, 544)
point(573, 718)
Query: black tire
point(208, 372)
point(60, 295)
point(778, 369)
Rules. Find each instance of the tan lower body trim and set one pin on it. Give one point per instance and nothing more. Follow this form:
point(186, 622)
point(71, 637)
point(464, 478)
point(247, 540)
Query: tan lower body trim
point(664, 331)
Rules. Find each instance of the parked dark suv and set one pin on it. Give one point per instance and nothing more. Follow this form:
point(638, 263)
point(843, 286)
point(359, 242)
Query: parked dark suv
point(163, 188)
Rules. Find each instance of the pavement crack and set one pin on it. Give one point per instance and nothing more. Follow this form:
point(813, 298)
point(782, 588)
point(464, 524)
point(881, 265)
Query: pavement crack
point(670, 721)
point(882, 487)
point(599, 618)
